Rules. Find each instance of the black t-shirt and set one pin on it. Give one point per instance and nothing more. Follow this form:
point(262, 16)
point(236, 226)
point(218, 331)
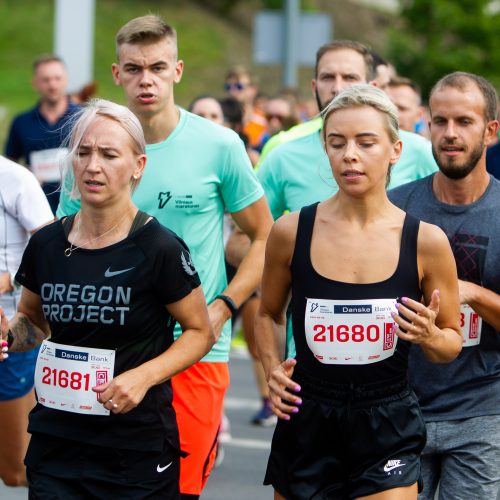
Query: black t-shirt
point(112, 298)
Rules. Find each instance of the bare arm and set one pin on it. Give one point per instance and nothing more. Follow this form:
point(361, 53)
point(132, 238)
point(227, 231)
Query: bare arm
point(270, 327)
point(484, 301)
point(255, 221)
point(435, 326)
point(29, 326)
point(129, 388)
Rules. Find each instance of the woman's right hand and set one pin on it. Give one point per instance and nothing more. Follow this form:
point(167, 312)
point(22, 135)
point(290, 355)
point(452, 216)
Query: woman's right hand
point(4, 329)
point(284, 402)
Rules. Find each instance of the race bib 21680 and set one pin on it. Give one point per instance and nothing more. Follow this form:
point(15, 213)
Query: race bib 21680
point(350, 332)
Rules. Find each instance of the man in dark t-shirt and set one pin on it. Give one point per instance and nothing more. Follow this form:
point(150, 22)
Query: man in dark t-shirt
point(460, 401)
point(36, 135)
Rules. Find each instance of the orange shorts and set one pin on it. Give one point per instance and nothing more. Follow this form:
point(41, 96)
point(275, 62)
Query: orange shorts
point(198, 403)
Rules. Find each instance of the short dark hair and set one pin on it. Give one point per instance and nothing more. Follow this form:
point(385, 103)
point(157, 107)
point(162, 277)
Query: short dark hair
point(463, 81)
point(46, 58)
point(347, 44)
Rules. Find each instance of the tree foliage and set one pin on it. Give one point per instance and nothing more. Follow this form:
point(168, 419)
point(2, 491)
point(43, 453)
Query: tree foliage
point(437, 37)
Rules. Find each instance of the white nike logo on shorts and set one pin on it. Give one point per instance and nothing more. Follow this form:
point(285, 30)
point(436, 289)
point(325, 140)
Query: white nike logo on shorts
point(392, 464)
point(161, 469)
point(108, 273)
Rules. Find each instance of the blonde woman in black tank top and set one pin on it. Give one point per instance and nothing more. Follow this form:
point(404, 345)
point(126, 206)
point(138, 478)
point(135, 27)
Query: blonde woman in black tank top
point(366, 282)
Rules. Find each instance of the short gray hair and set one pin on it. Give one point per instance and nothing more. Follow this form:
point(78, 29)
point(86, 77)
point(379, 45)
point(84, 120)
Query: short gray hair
point(80, 124)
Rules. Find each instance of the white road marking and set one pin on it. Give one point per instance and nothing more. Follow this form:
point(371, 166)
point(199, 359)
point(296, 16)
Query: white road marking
point(256, 444)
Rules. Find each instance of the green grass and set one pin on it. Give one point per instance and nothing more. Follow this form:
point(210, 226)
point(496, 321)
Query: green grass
point(207, 43)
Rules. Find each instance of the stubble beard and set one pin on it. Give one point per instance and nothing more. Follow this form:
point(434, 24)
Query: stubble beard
point(457, 172)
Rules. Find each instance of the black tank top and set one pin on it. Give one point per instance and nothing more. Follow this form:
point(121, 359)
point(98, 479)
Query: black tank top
point(307, 283)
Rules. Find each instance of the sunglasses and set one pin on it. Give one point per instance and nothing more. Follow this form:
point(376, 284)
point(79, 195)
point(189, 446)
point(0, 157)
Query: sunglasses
point(270, 116)
point(235, 86)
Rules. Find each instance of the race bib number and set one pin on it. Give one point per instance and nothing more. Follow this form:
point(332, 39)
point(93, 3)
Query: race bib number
point(350, 332)
point(46, 164)
point(65, 375)
point(471, 324)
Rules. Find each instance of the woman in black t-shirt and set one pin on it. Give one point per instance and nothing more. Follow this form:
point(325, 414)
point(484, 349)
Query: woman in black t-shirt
point(106, 286)
point(349, 426)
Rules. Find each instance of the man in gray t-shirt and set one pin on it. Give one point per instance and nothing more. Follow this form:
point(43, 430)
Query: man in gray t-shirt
point(460, 401)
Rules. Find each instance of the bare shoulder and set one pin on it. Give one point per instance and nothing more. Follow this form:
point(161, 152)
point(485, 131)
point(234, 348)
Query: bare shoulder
point(283, 235)
point(431, 240)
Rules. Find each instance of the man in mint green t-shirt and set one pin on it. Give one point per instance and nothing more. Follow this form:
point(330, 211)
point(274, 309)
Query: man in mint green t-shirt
point(295, 171)
point(195, 170)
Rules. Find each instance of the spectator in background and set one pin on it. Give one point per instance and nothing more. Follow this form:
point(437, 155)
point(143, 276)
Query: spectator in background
point(208, 107)
point(83, 95)
point(405, 94)
point(36, 135)
point(241, 85)
point(233, 119)
point(384, 71)
point(280, 115)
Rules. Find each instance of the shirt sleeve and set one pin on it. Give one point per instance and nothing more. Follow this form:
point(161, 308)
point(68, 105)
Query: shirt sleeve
point(268, 176)
point(239, 186)
point(175, 274)
point(26, 275)
point(32, 209)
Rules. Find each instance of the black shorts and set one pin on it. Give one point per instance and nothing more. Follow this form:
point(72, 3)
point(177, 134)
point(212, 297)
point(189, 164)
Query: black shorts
point(347, 442)
point(59, 469)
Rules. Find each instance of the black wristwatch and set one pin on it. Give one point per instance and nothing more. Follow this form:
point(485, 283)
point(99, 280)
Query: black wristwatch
point(229, 303)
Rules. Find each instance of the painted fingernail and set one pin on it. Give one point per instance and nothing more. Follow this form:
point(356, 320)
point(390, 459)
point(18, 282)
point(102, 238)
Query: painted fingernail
point(5, 349)
point(404, 299)
point(394, 328)
point(297, 388)
point(298, 401)
point(397, 305)
point(4, 343)
point(287, 417)
point(295, 410)
point(393, 314)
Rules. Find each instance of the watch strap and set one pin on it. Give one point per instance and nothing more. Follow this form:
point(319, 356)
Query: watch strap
point(229, 303)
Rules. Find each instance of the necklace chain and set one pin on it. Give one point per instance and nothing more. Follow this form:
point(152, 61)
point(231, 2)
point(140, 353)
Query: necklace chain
point(72, 247)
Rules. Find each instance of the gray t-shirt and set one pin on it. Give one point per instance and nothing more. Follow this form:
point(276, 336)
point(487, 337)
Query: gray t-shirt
point(470, 385)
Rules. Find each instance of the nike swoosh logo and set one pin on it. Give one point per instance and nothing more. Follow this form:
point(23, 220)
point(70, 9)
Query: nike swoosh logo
point(108, 273)
point(390, 467)
point(161, 469)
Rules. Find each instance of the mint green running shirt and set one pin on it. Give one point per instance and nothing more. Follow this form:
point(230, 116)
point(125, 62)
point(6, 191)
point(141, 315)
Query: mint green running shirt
point(296, 173)
point(190, 178)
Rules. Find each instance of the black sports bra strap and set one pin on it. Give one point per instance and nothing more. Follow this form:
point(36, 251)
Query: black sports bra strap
point(139, 220)
point(409, 239)
point(67, 224)
point(305, 228)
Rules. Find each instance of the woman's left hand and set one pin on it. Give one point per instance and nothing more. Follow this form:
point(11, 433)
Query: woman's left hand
point(420, 319)
point(124, 392)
